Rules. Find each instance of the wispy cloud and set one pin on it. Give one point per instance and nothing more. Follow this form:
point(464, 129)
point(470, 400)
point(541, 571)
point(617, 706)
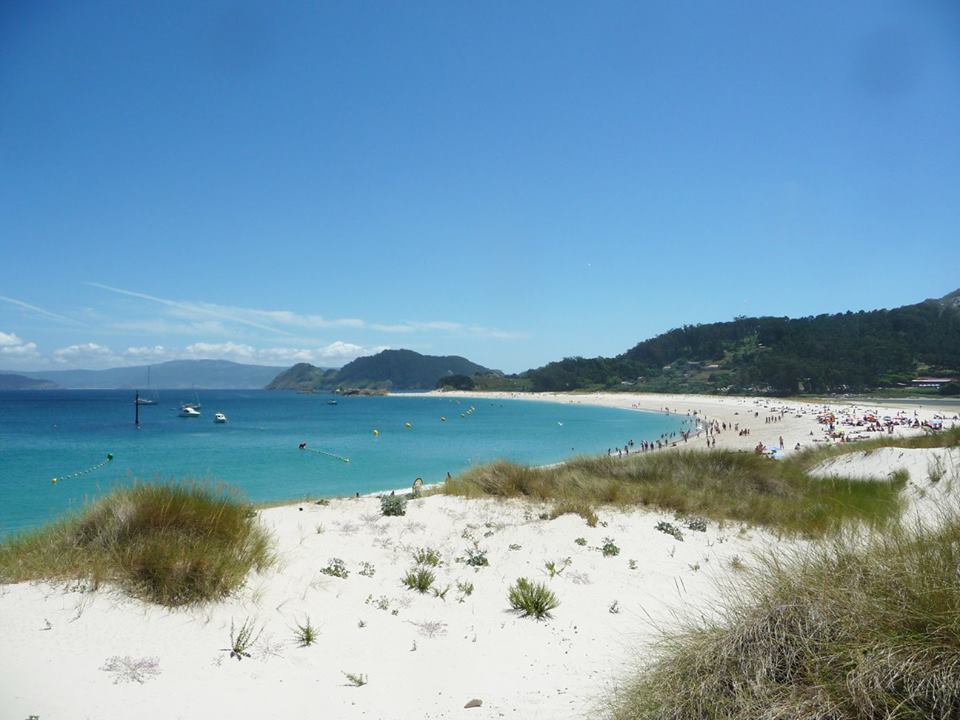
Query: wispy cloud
point(191, 309)
point(203, 318)
point(40, 311)
point(96, 356)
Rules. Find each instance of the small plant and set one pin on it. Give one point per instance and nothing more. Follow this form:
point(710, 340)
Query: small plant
point(323, 501)
point(419, 579)
point(670, 529)
point(336, 568)
point(465, 588)
point(393, 505)
point(426, 556)
point(532, 598)
point(367, 569)
point(632, 564)
point(476, 557)
point(696, 523)
point(935, 469)
point(442, 594)
point(614, 608)
point(305, 633)
point(381, 603)
point(243, 639)
point(357, 680)
point(320, 529)
point(581, 541)
point(514, 546)
point(554, 568)
point(130, 669)
point(694, 566)
point(736, 563)
point(609, 548)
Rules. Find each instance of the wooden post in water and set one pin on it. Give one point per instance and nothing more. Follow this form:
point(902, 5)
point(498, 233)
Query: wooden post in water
point(136, 412)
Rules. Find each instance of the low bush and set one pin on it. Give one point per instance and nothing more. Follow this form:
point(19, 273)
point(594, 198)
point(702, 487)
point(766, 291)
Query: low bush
point(393, 505)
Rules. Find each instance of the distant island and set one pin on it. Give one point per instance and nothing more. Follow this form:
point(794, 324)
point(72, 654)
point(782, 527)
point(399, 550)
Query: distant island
point(174, 375)
point(9, 381)
point(387, 370)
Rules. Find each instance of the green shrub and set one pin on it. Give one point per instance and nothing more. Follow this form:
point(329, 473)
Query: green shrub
point(305, 634)
point(670, 529)
point(336, 568)
point(476, 557)
point(426, 556)
point(419, 579)
point(532, 599)
point(168, 544)
point(393, 505)
point(609, 548)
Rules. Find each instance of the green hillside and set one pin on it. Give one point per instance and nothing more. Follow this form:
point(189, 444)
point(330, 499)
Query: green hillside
point(843, 352)
point(390, 369)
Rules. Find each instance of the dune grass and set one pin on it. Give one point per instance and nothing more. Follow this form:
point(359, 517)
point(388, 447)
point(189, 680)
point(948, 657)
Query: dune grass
point(718, 484)
point(858, 627)
point(168, 544)
point(815, 455)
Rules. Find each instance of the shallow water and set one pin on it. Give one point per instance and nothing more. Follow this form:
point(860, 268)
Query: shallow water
point(48, 434)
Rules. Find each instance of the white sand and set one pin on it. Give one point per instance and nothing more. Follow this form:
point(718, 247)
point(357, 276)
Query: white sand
point(424, 657)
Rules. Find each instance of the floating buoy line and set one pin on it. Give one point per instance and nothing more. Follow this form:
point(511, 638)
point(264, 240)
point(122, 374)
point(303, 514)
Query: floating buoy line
point(54, 481)
point(341, 458)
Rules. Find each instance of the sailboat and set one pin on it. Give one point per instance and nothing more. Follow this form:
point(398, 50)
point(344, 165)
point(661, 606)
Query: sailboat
point(143, 400)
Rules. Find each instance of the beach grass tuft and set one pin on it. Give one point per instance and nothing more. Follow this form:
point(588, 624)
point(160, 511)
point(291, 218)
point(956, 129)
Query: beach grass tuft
point(532, 599)
point(715, 484)
point(419, 579)
point(168, 544)
point(862, 626)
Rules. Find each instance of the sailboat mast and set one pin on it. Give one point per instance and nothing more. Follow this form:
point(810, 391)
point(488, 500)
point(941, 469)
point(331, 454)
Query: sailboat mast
point(136, 412)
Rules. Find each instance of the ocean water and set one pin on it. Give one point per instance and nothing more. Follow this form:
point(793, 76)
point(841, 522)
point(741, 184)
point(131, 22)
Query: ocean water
point(58, 434)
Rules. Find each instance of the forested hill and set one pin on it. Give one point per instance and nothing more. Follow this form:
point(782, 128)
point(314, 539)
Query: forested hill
point(827, 353)
point(390, 369)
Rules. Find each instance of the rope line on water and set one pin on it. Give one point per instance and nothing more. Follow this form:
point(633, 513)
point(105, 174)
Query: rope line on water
point(341, 458)
point(99, 465)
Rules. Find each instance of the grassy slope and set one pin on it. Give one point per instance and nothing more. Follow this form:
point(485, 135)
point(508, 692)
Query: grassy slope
point(169, 544)
point(856, 628)
point(717, 484)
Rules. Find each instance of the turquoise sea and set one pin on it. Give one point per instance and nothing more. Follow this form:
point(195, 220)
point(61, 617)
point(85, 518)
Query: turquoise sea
point(56, 434)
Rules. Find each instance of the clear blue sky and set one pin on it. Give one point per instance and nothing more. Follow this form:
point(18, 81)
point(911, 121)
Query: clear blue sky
point(514, 182)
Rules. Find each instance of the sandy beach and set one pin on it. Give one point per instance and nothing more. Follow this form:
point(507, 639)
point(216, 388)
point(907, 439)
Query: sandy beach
point(74, 652)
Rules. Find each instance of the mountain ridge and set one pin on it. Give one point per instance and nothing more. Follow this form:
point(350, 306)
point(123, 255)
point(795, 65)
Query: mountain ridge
point(173, 375)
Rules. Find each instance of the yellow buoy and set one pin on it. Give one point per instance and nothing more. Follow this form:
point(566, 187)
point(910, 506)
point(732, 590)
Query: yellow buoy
point(376, 433)
point(442, 419)
point(407, 425)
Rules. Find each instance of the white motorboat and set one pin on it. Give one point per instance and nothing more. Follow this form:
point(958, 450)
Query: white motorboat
point(219, 418)
point(189, 411)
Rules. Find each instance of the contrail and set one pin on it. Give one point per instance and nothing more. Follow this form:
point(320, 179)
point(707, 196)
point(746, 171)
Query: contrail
point(40, 311)
point(188, 307)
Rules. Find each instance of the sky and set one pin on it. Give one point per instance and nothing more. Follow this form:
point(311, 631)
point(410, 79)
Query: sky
point(509, 181)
